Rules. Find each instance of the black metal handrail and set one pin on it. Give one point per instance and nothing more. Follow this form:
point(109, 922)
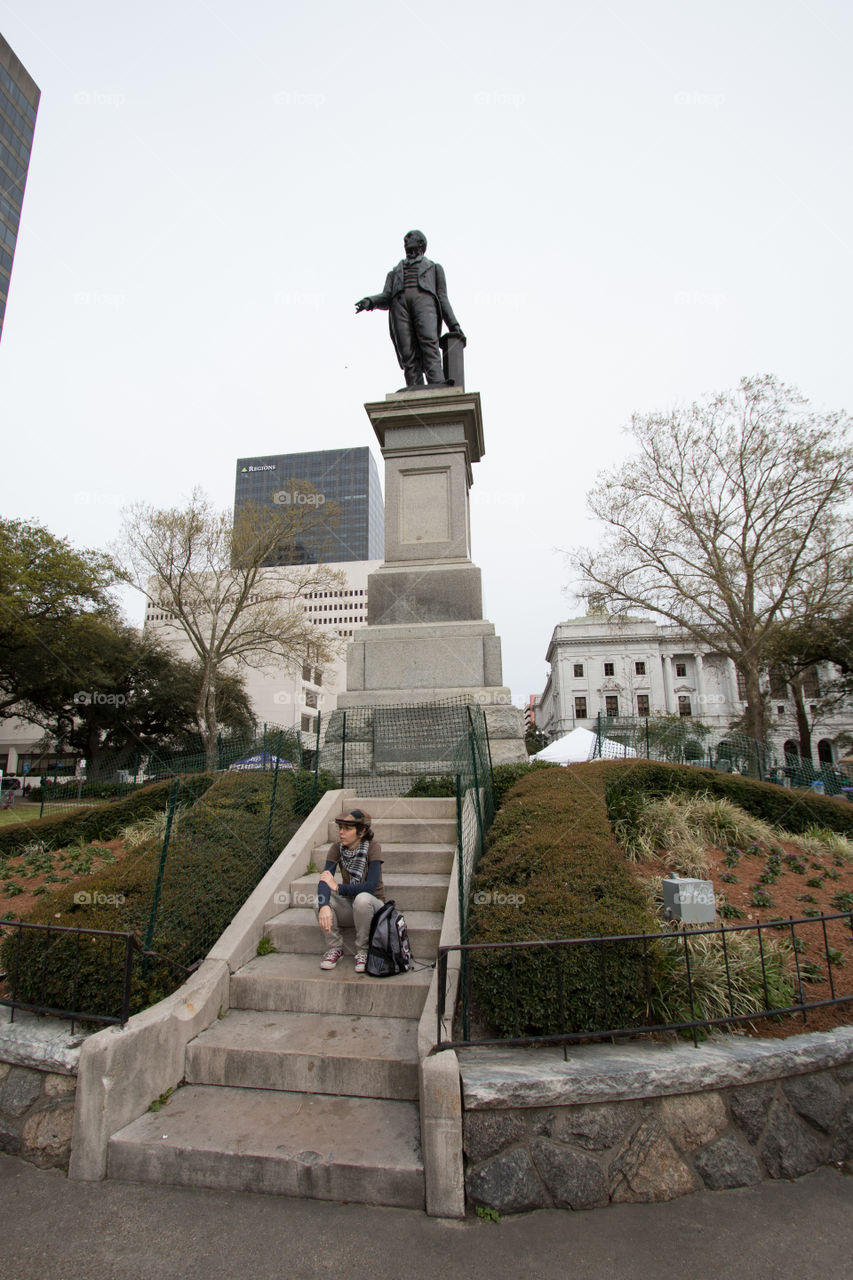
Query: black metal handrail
point(12, 976)
point(600, 942)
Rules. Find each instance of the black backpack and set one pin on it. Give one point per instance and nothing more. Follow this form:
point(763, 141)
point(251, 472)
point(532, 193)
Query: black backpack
point(388, 950)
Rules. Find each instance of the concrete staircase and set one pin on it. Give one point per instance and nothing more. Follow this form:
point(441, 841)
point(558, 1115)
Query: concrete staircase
point(308, 1086)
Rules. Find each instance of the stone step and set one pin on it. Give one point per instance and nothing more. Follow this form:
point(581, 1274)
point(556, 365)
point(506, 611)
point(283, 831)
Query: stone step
point(296, 983)
point(423, 807)
point(296, 930)
point(311, 1052)
point(413, 858)
point(277, 1143)
point(410, 892)
point(390, 831)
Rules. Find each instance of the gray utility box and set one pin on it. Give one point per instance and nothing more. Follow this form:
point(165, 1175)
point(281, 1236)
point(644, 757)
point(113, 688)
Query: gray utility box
point(691, 901)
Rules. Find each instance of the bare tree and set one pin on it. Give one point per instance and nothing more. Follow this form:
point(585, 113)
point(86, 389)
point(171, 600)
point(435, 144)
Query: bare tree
point(732, 517)
point(218, 585)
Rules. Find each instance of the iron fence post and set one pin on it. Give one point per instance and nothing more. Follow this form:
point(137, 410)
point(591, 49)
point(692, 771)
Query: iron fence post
point(317, 763)
point(272, 796)
point(343, 750)
point(155, 903)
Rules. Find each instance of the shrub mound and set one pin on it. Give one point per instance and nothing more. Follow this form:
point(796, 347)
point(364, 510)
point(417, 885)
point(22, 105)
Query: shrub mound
point(97, 822)
point(553, 869)
point(630, 784)
point(223, 844)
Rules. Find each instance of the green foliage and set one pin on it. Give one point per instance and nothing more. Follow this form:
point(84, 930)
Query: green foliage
point(487, 1214)
point(225, 842)
point(630, 784)
point(265, 946)
point(101, 822)
point(506, 775)
point(302, 784)
point(552, 847)
point(442, 785)
point(724, 980)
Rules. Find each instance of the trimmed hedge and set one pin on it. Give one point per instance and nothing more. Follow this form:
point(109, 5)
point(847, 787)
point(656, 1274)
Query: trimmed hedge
point(96, 822)
point(551, 846)
point(217, 855)
point(629, 784)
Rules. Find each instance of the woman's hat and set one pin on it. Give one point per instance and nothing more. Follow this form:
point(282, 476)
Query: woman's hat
point(358, 816)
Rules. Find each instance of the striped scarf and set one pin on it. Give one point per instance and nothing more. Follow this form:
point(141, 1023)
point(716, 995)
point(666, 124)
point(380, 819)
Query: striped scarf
point(354, 861)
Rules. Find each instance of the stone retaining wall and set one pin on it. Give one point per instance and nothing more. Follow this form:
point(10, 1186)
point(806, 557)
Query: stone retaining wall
point(36, 1114)
point(38, 1086)
point(763, 1123)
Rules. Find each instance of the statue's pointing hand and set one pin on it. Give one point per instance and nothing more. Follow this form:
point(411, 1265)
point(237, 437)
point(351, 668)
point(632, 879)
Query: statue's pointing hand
point(364, 304)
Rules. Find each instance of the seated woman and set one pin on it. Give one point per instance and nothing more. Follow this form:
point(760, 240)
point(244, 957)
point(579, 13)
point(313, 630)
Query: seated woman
point(354, 899)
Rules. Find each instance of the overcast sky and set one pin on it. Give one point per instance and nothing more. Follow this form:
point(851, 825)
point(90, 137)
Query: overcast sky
point(634, 203)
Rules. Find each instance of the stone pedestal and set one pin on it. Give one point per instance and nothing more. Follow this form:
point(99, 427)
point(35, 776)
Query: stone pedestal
point(426, 639)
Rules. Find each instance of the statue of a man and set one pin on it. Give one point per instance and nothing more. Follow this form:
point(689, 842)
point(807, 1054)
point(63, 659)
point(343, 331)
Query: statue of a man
point(415, 297)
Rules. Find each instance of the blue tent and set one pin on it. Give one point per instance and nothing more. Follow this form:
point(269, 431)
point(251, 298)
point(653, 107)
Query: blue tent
point(262, 760)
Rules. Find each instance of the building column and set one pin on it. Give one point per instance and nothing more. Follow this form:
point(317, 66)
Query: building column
point(733, 691)
point(700, 684)
point(667, 683)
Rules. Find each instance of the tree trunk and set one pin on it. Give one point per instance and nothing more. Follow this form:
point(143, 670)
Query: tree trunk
point(755, 712)
point(804, 729)
point(208, 725)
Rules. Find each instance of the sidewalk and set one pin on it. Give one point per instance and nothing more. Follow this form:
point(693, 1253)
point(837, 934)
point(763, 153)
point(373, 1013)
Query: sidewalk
point(54, 1229)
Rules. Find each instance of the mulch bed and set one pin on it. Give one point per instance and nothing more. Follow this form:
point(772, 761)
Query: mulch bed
point(805, 887)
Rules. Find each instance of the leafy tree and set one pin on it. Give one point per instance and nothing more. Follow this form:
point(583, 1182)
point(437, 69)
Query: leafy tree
point(796, 650)
point(126, 696)
point(46, 587)
point(731, 518)
point(213, 580)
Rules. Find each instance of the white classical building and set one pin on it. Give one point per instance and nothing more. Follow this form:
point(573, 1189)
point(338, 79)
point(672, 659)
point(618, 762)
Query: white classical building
point(637, 667)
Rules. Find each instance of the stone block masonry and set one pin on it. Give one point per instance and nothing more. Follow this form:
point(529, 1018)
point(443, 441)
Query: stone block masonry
point(36, 1115)
point(38, 1085)
point(770, 1109)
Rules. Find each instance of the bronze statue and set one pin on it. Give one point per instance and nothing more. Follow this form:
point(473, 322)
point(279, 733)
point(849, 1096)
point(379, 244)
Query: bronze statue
point(415, 297)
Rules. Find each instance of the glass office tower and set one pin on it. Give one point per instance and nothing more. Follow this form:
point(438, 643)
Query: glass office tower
point(346, 479)
point(19, 99)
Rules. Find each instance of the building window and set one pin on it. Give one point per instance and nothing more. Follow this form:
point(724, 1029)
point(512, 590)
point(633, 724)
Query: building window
point(608, 668)
point(580, 708)
point(684, 708)
point(578, 670)
point(307, 724)
point(778, 687)
point(681, 669)
point(306, 671)
point(310, 698)
point(639, 668)
point(741, 684)
point(611, 705)
point(318, 676)
point(811, 684)
point(642, 704)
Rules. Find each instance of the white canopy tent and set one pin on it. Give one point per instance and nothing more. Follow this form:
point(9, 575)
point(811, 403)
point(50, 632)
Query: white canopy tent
point(581, 744)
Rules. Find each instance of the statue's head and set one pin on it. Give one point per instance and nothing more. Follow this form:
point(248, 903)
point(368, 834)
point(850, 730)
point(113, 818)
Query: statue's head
point(415, 243)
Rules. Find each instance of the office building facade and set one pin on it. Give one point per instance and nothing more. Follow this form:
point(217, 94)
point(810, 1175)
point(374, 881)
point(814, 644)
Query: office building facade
point(19, 99)
point(343, 481)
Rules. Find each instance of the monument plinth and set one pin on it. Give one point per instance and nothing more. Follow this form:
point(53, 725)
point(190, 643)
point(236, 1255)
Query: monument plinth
point(426, 638)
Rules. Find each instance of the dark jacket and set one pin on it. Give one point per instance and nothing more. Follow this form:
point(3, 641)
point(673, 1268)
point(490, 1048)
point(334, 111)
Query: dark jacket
point(431, 280)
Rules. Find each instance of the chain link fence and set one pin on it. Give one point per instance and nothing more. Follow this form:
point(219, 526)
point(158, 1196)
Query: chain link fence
point(688, 741)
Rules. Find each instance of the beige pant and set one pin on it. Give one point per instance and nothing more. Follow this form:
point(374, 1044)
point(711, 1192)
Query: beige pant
point(347, 913)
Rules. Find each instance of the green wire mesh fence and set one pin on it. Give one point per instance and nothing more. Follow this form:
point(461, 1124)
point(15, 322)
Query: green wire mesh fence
point(688, 741)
